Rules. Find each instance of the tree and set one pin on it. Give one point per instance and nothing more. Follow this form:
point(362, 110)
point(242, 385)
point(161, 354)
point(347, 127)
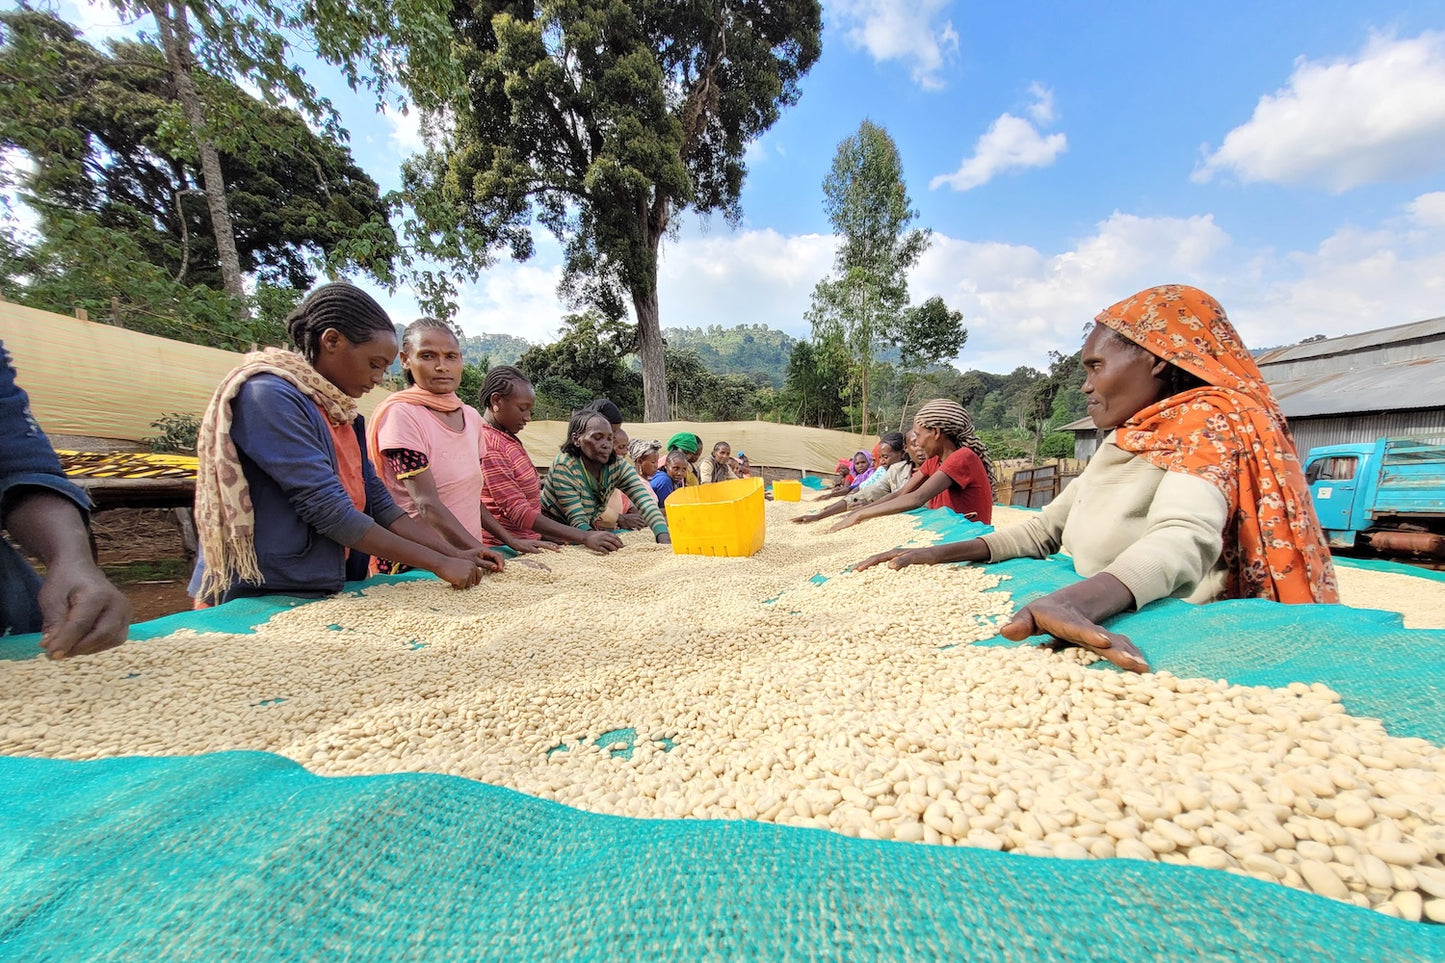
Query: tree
point(930, 333)
point(868, 205)
point(603, 119)
point(586, 360)
point(378, 43)
point(110, 173)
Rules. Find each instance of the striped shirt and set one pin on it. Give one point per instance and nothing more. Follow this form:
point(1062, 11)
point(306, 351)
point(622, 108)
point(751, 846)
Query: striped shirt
point(573, 497)
point(511, 489)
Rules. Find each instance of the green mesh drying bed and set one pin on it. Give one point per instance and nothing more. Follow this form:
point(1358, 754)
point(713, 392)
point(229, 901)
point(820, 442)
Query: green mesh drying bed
point(249, 856)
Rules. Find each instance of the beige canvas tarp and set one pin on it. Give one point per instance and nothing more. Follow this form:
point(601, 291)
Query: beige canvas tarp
point(814, 450)
point(87, 378)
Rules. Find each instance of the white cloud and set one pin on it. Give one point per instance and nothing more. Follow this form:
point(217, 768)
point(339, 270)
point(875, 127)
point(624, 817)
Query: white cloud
point(916, 34)
point(1428, 210)
point(752, 277)
point(1042, 109)
point(405, 136)
point(1010, 144)
point(1019, 302)
point(1338, 125)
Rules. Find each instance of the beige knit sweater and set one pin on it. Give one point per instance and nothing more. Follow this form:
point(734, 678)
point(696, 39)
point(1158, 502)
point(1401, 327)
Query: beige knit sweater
point(1158, 532)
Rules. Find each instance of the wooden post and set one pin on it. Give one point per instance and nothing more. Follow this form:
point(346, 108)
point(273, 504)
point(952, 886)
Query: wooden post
point(82, 314)
point(115, 313)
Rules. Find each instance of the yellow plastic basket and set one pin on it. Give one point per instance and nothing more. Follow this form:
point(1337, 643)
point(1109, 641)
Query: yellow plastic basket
point(785, 490)
point(723, 518)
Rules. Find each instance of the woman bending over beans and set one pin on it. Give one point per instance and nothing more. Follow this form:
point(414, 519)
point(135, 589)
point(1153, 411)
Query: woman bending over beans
point(287, 501)
point(894, 470)
point(586, 473)
point(957, 474)
point(1196, 492)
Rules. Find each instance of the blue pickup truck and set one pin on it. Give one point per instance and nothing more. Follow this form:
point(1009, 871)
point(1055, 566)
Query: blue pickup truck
point(1388, 496)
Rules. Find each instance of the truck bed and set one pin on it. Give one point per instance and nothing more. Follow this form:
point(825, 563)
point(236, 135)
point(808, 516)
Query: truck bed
point(1412, 480)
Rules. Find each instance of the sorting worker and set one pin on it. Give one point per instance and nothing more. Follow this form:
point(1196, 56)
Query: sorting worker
point(720, 466)
point(511, 485)
point(691, 446)
point(587, 471)
point(895, 471)
point(74, 608)
point(426, 445)
point(958, 473)
point(1195, 493)
point(287, 501)
point(672, 476)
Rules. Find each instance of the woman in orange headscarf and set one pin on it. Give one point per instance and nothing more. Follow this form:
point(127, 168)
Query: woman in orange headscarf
point(1197, 493)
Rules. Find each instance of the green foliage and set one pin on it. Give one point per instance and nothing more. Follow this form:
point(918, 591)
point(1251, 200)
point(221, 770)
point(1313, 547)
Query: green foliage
point(469, 385)
point(558, 397)
point(696, 393)
point(490, 349)
point(113, 177)
point(178, 433)
point(588, 359)
point(82, 264)
point(754, 350)
point(1057, 444)
point(930, 333)
point(601, 119)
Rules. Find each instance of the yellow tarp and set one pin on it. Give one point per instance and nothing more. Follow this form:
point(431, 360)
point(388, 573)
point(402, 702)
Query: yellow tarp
point(87, 378)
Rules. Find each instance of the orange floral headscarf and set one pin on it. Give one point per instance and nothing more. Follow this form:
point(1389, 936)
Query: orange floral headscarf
point(1231, 433)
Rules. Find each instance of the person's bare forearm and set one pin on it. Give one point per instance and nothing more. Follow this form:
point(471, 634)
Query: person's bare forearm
point(400, 547)
point(972, 550)
point(550, 528)
point(49, 526)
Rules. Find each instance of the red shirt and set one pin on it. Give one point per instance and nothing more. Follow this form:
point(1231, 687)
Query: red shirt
point(511, 487)
point(969, 492)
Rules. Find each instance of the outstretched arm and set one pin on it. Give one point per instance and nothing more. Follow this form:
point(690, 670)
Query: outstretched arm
point(1074, 613)
point(904, 500)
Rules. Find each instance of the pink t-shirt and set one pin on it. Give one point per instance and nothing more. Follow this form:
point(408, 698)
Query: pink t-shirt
point(454, 459)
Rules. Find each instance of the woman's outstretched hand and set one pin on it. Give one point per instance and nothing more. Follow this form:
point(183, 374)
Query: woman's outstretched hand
point(1063, 621)
point(896, 558)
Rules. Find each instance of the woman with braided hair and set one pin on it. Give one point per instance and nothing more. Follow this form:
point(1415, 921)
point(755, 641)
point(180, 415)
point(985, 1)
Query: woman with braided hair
point(426, 444)
point(287, 501)
point(511, 486)
point(1195, 493)
point(957, 474)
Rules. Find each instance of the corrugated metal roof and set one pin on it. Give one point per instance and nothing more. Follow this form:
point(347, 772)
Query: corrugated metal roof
point(1349, 343)
point(1399, 386)
point(1380, 387)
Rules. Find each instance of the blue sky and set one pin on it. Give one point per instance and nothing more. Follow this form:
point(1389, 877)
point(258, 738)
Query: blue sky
point(1287, 157)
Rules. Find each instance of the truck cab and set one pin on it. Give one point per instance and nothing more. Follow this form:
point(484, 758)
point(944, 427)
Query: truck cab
point(1388, 495)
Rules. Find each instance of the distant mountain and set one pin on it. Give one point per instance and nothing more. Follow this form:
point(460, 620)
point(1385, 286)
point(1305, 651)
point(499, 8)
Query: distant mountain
point(746, 349)
point(493, 348)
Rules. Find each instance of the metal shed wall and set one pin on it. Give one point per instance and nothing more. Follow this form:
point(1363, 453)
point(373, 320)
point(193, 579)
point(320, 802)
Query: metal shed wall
point(1426, 424)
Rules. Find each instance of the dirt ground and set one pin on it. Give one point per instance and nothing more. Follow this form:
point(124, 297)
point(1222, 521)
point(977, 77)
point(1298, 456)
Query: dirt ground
point(142, 552)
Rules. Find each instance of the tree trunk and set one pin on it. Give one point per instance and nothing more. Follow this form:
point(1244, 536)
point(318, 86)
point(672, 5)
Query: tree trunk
point(175, 37)
point(654, 219)
point(866, 359)
point(649, 348)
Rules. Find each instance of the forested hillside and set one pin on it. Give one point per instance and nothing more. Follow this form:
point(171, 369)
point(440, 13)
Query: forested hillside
point(754, 350)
